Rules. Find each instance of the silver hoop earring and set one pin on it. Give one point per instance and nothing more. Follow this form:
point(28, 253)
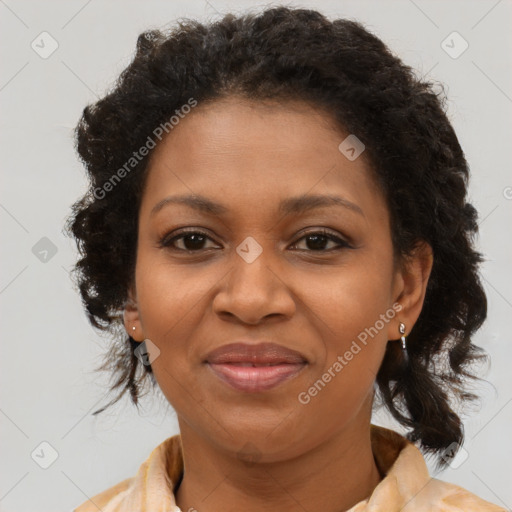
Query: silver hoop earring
point(401, 328)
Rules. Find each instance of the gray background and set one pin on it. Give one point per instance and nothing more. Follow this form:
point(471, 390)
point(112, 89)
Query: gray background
point(48, 388)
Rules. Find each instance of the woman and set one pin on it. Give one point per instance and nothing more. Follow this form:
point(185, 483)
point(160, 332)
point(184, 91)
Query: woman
point(276, 229)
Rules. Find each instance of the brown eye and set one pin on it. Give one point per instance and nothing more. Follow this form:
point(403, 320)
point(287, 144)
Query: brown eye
point(188, 241)
point(318, 240)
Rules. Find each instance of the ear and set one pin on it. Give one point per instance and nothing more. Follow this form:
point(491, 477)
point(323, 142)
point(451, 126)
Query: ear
point(131, 317)
point(410, 287)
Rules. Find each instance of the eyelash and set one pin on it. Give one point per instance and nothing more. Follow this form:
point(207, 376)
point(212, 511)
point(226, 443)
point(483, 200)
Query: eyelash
point(166, 242)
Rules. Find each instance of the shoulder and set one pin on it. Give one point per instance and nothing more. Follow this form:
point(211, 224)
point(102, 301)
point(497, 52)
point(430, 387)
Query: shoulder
point(408, 483)
point(440, 496)
point(101, 500)
point(447, 497)
point(150, 489)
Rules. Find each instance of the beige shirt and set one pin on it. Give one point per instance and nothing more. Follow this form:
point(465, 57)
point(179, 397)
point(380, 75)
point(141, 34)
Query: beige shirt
point(406, 486)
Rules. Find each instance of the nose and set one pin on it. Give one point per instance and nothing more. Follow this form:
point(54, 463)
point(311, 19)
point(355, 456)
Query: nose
point(254, 290)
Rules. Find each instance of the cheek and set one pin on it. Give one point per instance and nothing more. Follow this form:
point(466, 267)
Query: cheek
point(347, 300)
point(354, 344)
point(350, 311)
point(169, 296)
point(168, 310)
point(172, 306)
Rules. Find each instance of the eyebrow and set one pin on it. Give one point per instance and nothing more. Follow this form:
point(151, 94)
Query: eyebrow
point(291, 205)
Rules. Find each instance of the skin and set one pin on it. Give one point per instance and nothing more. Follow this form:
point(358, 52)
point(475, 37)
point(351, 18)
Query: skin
point(267, 451)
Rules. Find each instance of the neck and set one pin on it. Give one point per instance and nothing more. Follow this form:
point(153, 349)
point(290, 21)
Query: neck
point(331, 477)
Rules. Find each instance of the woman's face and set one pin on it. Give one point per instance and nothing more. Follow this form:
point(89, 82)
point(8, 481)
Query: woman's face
point(256, 272)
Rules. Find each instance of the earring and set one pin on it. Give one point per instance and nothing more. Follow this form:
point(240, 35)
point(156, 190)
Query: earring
point(401, 328)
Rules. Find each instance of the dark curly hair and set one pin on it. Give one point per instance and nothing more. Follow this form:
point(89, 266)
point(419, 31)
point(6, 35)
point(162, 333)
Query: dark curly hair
point(297, 54)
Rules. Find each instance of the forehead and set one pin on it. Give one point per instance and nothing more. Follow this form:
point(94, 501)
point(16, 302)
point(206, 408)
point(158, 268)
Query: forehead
point(237, 125)
point(234, 148)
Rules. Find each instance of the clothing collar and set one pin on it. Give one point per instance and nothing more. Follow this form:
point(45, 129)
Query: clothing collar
point(402, 464)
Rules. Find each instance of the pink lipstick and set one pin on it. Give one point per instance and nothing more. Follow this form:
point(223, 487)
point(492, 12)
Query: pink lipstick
point(255, 368)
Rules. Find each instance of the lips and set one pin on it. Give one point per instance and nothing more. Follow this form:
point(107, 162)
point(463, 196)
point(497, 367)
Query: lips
point(260, 354)
point(255, 368)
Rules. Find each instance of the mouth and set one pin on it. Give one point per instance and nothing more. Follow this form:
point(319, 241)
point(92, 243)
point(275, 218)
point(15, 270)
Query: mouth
point(252, 377)
point(255, 368)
